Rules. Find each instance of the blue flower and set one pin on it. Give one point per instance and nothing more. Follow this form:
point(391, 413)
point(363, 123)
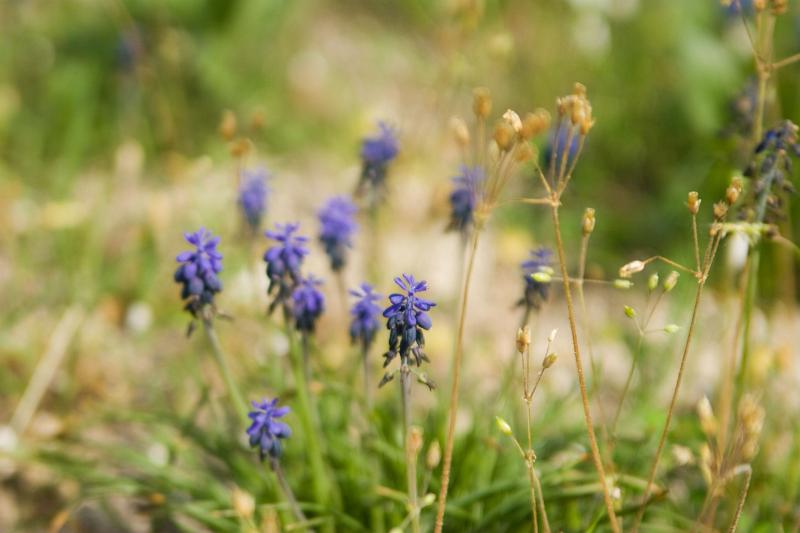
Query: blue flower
point(464, 198)
point(308, 303)
point(770, 167)
point(283, 261)
point(406, 317)
point(266, 432)
point(198, 271)
point(376, 154)
point(338, 226)
point(365, 311)
point(253, 197)
point(536, 292)
point(559, 138)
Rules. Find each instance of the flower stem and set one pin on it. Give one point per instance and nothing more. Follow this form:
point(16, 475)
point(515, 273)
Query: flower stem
point(598, 463)
point(367, 387)
point(323, 490)
point(663, 439)
point(286, 489)
point(457, 356)
point(219, 357)
point(411, 456)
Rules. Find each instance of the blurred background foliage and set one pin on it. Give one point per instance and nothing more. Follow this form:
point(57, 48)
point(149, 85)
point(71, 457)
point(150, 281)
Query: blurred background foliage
point(80, 77)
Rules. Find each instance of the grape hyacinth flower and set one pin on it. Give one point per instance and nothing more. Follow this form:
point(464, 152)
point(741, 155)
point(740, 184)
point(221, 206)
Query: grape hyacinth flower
point(198, 272)
point(406, 318)
point(308, 303)
point(536, 291)
point(283, 262)
point(253, 197)
point(365, 313)
point(266, 432)
point(771, 165)
point(338, 225)
point(464, 198)
point(376, 154)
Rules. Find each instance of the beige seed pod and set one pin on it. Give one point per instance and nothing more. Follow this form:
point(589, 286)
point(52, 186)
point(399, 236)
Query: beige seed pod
point(481, 102)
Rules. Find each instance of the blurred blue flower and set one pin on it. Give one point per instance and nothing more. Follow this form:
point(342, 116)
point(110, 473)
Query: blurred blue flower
point(365, 311)
point(337, 227)
point(536, 292)
point(407, 316)
point(308, 303)
point(559, 137)
point(283, 261)
point(253, 197)
point(198, 271)
point(266, 432)
point(770, 167)
point(464, 198)
point(376, 154)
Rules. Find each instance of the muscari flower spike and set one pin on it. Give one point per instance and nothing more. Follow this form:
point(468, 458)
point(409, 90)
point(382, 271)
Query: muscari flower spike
point(198, 272)
point(308, 303)
point(283, 262)
point(266, 432)
point(337, 227)
point(771, 166)
point(536, 292)
point(365, 311)
point(253, 197)
point(406, 318)
point(464, 198)
point(376, 154)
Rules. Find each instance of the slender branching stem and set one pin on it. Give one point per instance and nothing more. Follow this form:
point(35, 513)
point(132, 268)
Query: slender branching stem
point(786, 61)
point(456, 371)
point(695, 242)
point(748, 473)
point(542, 509)
point(411, 456)
point(288, 494)
point(631, 371)
point(531, 457)
point(663, 439)
point(222, 362)
point(598, 463)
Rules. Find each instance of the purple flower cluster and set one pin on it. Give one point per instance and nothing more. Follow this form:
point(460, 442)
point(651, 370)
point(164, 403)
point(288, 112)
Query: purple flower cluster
point(337, 227)
point(308, 303)
point(198, 271)
point(284, 260)
point(406, 318)
point(266, 432)
point(253, 197)
point(464, 198)
point(365, 311)
point(535, 292)
point(376, 154)
point(770, 167)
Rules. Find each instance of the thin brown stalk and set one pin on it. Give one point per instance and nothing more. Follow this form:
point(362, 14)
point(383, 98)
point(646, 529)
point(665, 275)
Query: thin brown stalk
point(663, 439)
point(786, 61)
point(456, 371)
point(695, 242)
point(598, 463)
point(748, 473)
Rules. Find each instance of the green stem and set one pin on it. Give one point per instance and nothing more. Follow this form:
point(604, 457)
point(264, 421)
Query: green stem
point(324, 493)
point(288, 494)
point(219, 357)
point(411, 457)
